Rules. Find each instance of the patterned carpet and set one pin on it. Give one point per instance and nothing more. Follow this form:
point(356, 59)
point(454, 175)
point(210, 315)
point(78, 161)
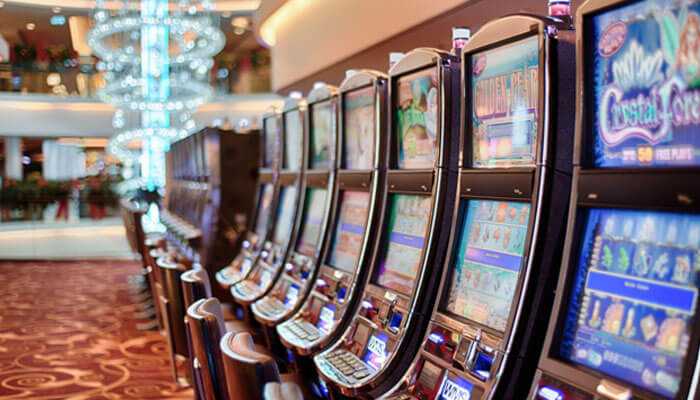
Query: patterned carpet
point(67, 332)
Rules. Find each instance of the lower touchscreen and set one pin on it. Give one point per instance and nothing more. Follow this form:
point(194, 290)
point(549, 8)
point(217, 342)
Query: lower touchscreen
point(632, 307)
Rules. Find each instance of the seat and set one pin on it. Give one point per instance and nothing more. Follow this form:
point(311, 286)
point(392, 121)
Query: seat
point(205, 327)
point(282, 391)
point(247, 367)
point(172, 305)
point(195, 285)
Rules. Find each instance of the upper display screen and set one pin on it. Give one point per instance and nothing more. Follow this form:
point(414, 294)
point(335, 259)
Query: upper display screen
point(263, 216)
point(350, 230)
point(285, 215)
point(634, 296)
point(505, 101)
point(323, 120)
point(416, 119)
point(643, 85)
point(271, 134)
point(409, 217)
point(294, 135)
point(314, 213)
point(487, 262)
point(359, 119)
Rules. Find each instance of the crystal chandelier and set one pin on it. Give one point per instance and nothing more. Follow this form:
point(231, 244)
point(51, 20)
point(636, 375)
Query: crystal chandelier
point(156, 56)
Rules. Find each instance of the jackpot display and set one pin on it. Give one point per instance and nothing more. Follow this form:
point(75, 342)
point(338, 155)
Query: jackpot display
point(263, 216)
point(409, 217)
point(315, 205)
point(285, 218)
point(416, 119)
point(359, 120)
point(634, 297)
point(643, 83)
point(322, 130)
point(294, 131)
point(505, 101)
point(488, 259)
point(349, 231)
point(271, 133)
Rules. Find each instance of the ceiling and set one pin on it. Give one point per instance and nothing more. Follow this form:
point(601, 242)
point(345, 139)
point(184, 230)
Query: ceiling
point(15, 16)
point(235, 6)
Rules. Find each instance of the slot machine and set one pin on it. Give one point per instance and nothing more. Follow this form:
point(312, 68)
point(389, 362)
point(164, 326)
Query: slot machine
point(301, 263)
point(328, 308)
point(514, 185)
point(624, 321)
point(270, 263)
point(265, 204)
point(380, 341)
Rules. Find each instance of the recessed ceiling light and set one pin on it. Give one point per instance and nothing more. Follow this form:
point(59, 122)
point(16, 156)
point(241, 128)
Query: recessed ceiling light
point(31, 26)
point(2, 4)
point(56, 10)
point(240, 22)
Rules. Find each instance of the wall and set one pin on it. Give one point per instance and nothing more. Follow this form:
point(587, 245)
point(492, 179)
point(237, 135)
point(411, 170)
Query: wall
point(313, 58)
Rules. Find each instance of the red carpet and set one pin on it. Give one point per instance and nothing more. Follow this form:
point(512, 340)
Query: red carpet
point(67, 332)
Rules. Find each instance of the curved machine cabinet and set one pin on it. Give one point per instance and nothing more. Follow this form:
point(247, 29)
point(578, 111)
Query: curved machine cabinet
point(380, 341)
point(624, 323)
point(301, 263)
point(259, 232)
point(488, 323)
point(285, 226)
point(344, 254)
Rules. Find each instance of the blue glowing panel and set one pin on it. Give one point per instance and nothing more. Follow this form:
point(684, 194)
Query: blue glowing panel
point(455, 388)
point(634, 296)
point(644, 85)
point(376, 351)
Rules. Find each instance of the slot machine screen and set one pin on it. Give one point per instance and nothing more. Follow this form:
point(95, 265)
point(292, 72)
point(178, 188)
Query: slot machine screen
point(416, 119)
point(349, 230)
point(377, 350)
point(323, 120)
point(634, 296)
point(285, 215)
point(487, 262)
point(271, 133)
point(359, 119)
point(315, 207)
point(505, 102)
point(643, 85)
point(263, 216)
point(294, 135)
point(409, 217)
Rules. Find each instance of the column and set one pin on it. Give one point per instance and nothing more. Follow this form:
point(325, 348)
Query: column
point(13, 157)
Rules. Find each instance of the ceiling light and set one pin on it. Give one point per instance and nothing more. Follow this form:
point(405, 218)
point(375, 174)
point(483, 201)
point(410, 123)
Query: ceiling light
point(31, 26)
point(56, 10)
point(2, 4)
point(240, 22)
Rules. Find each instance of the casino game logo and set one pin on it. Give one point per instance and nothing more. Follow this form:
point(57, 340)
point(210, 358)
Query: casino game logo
point(647, 73)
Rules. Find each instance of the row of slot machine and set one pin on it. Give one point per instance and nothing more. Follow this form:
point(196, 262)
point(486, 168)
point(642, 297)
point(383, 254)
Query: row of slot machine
point(206, 213)
point(498, 221)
